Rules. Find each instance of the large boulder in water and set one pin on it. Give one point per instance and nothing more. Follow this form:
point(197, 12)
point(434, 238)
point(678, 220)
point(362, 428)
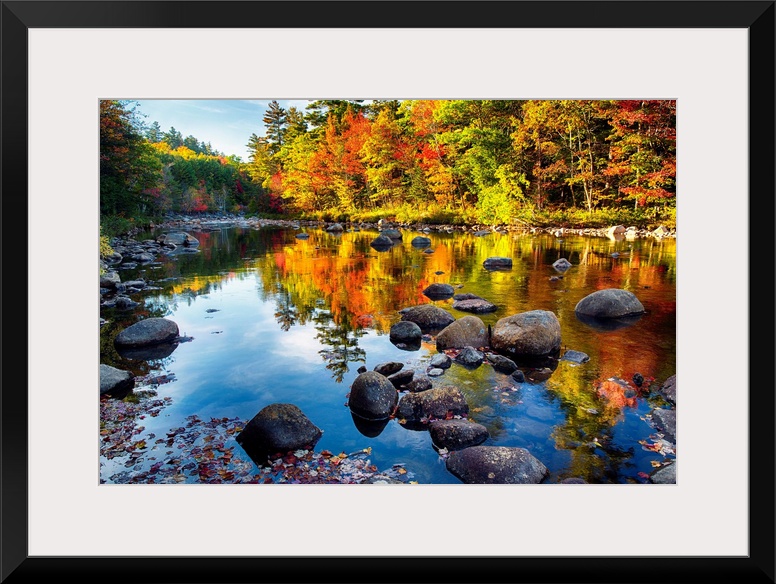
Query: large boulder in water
point(114, 381)
point(277, 429)
point(535, 333)
point(496, 465)
point(151, 331)
point(609, 303)
point(466, 331)
point(428, 317)
point(372, 396)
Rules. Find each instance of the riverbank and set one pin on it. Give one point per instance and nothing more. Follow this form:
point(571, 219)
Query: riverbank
point(208, 221)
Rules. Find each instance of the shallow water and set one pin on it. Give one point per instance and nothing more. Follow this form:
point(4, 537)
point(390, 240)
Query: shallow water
point(280, 319)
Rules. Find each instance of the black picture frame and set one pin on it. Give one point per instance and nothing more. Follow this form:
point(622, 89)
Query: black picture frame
point(16, 566)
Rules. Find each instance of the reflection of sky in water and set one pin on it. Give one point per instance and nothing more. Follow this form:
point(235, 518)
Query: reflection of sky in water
point(241, 358)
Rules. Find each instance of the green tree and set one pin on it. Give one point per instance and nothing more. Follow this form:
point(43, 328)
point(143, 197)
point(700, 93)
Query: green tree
point(129, 168)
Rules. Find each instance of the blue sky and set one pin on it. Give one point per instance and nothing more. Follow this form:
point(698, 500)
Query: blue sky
point(225, 123)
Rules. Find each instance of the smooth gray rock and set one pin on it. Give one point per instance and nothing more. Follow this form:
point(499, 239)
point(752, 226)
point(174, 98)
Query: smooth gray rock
point(151, 331)
point(609, 303)
point(428, 317)
point(439, 291)
point(466, 331)
point(394, 234)
point(115, 381)
point(561, 265)
point(440, 361)
point(473, 304)
point(496, 465)
point(470, 357)
point(532, 334)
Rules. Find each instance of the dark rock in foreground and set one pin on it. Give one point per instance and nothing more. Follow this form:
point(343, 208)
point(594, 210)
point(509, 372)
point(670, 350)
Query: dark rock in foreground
point(532, 334)
point(433, 403)
point(496, 465)
point(428, 317)
point(372, 396)
point(609, 303)
point(277, 429)
point(151, 331)
point(457, 434)
point(114, 381)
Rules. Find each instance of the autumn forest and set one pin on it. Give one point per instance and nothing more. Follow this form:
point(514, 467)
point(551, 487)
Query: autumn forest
point(494, 162)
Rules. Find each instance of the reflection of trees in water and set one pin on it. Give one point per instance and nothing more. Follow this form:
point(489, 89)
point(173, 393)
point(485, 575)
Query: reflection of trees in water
point(343, 340)
point(286, 313)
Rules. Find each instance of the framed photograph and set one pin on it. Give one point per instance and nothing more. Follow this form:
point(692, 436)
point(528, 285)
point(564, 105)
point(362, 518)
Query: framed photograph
point(709, 64)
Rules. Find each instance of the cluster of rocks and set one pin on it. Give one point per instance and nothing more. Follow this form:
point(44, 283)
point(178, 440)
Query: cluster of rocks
point(663, 420)
point(390, 392)
point(129, 254)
